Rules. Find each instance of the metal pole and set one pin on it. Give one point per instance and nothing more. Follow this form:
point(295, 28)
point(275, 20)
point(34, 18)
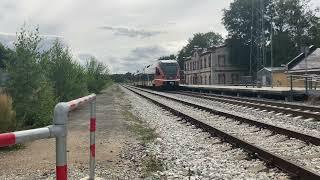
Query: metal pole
point(251, 39)
point(92, 138)
point(60, 120)
point(306, 51)
point(291, 88)
point(271, 46)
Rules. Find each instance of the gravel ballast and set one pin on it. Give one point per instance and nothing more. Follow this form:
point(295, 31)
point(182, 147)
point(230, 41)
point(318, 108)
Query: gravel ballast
point(290, 148)
point(189, 152)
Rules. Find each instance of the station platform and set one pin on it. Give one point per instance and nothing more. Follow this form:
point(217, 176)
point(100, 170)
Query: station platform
point(280, 93)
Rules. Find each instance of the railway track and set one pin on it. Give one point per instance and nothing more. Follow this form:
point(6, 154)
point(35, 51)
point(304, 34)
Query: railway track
point(312, 112)
point(242, 135)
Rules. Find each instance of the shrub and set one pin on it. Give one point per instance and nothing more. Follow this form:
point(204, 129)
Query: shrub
point(68, 77)
point(32, 95)
point(7, 115)
point(97, 75)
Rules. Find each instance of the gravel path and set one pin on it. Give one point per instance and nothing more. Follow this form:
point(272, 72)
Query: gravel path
point(189, 152)
point(292, 149)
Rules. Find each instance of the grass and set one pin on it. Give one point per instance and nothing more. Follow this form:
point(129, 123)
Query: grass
point(7, 115)
point(12, 148)
point(145, 135)
point(152, 164)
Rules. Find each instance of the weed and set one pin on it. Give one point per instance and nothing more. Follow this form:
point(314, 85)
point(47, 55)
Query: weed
point(12, 148)
point(152, 164)
point(7, 115)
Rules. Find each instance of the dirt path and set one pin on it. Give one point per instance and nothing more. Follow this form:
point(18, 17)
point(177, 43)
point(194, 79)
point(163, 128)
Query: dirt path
point(114, 143)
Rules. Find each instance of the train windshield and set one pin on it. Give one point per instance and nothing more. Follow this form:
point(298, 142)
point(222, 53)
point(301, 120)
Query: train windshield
point(169, 68)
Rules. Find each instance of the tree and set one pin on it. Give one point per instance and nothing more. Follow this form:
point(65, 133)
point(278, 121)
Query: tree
point(68, 77)
point(97, 75)
point(201, 40)
point(294, 25)
point(32, 95)
point(5, 54)
point(171, 56)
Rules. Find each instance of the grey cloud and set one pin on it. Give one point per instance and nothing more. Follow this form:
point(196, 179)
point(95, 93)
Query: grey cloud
point(137, 59)
point(47, 41)
point(146, 53)
point(140, 57)
point(129, 32)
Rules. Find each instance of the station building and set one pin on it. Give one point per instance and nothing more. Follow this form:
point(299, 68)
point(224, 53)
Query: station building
point(299, 69)
point(305, 68)
point(273, 76)
point(211, 66)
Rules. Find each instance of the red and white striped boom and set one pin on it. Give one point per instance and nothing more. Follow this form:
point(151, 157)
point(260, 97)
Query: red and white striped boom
point(59, 131)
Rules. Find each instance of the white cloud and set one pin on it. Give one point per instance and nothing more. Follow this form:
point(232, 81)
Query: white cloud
point(130, 24)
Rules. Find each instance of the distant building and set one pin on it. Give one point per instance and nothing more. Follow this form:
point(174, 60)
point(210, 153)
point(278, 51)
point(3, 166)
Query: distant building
point(273, 76)
point(212, 66)
point(301, 67)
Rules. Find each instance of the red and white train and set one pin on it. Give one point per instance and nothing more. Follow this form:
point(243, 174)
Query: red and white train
point(163, 73)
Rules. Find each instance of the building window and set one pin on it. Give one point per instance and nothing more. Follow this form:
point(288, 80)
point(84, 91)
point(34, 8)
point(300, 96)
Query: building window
point(205, 62)
point(209, 60)
point(201, 63)
point(209, 79)
point(221, 60)
point(205, 80)
point(221, 79)
point(234, 78)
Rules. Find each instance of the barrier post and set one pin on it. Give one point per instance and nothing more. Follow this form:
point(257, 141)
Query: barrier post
point(59, 131)
point(92, 139)
point(60, 118)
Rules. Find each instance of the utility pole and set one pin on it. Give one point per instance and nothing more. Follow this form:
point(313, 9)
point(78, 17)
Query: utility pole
point(271, 46)
point(306, 52)
point(262, 33)
point(251, 41)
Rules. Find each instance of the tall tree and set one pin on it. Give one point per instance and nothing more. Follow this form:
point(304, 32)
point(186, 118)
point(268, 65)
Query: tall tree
point(201, 40)
point(171, 56)
point(5, 54)
point(68, 77)
point(97, 75)
point(294, 25)
point(32, 94)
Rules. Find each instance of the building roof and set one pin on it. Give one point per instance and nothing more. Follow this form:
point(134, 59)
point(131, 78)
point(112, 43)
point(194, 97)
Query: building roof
point(273, 69)
point(313, 61)
point(168, 61)
point(298, 63)
point(188, 58)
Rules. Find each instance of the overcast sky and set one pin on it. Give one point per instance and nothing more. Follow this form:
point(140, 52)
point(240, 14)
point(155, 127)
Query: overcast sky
point(125, 34)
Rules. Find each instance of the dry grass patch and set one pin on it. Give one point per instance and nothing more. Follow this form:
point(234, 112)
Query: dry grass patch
point(7, 115)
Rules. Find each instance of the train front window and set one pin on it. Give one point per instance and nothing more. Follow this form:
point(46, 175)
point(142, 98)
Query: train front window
point(169, 68)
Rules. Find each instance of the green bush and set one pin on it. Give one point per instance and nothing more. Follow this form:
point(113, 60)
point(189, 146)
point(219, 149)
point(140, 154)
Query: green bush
point(7, 115)
point(38, 80)
point(32, 95)
point(68, 77)
point(97, 75)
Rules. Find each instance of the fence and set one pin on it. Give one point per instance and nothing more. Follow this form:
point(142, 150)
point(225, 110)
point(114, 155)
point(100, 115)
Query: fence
point(59, 131)
point(307, 82)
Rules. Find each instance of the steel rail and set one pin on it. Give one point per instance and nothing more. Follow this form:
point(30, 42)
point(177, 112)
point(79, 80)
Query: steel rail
point(288, 166)
point(296, 110)
point(290, 133)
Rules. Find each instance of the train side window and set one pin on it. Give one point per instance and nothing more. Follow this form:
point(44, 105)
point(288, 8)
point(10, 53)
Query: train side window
point(157, 72)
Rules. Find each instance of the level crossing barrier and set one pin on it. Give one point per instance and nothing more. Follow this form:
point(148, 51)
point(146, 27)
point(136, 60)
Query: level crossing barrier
point(59, 131)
